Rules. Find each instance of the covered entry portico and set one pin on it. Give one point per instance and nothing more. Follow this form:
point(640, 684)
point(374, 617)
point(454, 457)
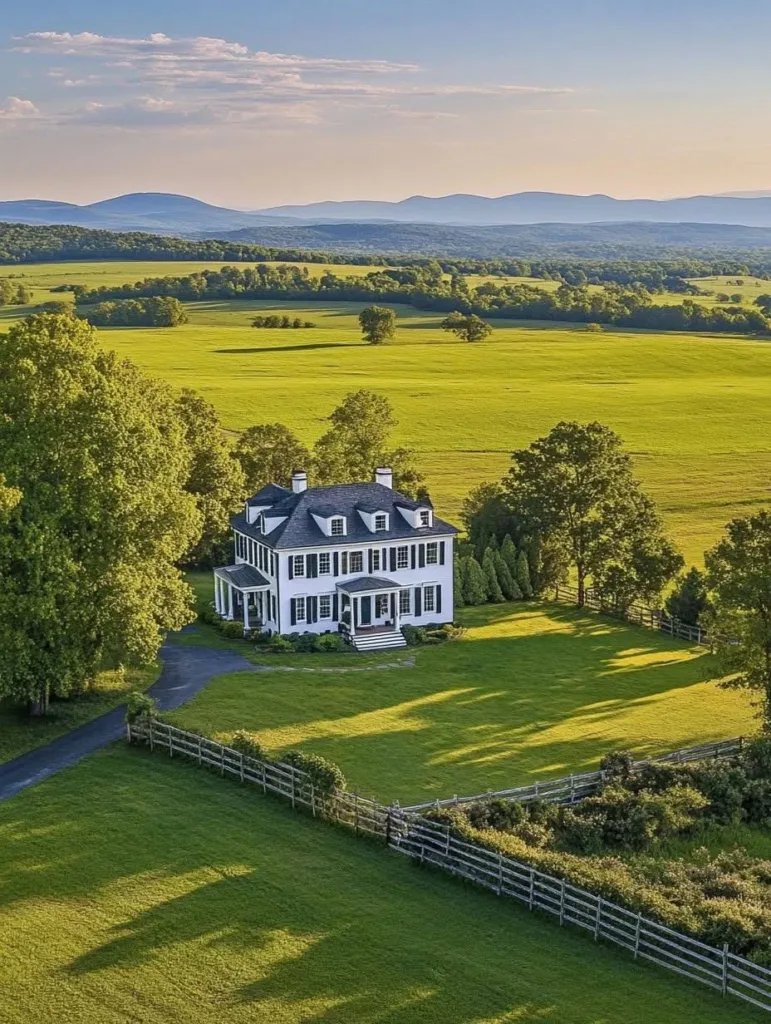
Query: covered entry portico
point(369, 604)
point(241, 592)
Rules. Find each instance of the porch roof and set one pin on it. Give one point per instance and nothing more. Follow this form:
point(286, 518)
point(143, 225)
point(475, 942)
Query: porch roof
point(242, 577)
point(367, 585)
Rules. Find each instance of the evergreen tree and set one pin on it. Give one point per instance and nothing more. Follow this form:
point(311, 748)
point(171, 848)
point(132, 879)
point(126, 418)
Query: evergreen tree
point(474, 582)
point(494, 592)
point(508, 584)
point(509, 555)
point(523, 575)
point(689, 600)
point(457, 582)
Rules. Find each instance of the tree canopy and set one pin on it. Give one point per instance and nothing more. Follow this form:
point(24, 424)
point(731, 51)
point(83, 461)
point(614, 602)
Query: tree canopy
point(268, 454)
point(467, 326)
point(95, 510)
point(378, 324)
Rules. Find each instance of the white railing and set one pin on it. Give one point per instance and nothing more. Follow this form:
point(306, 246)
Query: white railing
point(572, 788)
point(432, 843)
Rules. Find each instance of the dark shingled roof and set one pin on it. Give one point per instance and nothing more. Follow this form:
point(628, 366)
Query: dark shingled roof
point(367, 583)
point(243, 576)
point(269, 495)
point(300, 529)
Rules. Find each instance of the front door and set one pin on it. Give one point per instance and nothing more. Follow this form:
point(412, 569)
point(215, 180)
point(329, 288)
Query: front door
point(366, 611)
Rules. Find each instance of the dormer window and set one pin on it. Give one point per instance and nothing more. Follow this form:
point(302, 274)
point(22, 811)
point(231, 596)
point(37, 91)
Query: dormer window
point(337, 527)
point(425, 517)
point(381, 522)
point(260, 524)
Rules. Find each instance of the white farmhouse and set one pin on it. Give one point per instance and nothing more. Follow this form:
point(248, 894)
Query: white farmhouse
point(359, 558)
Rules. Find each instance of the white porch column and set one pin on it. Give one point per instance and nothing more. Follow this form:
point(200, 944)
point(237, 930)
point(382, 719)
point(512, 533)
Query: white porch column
point(216, 593)
point(230, 600)
point(220, 594)
point(245, 597)
point(397, 616)
point(354, 614)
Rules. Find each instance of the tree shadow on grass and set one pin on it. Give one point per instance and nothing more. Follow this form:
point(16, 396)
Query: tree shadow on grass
point(288, 348)
point(257, 913)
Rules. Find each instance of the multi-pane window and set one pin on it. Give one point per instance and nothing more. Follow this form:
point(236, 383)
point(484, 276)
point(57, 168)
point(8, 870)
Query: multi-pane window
point(299, 609)
point(376, 560)
point(402, 557)
point(325, 606)
point(356, 561)
point(381, 522)
point(425, 518)
point(405, 604)
point(432, 553)
point(324, 564)
point(381, 605)
point(298, 562)
point(337, 527)
point(428, 599)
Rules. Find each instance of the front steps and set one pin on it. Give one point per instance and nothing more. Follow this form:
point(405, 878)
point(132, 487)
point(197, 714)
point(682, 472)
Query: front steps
point(378, 641)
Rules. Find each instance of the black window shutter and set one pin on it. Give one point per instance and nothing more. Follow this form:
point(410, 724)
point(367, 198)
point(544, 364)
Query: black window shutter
point(421, 555)
point(412, 556)
point(344, 561)
point(418, 593)
point(335, 564)
point(291, 567)
point(438, 599)
point(335, 608)
point(393, 559)
point(369, 560)
point(441, 552)
point(313, 566)
point(292, 613)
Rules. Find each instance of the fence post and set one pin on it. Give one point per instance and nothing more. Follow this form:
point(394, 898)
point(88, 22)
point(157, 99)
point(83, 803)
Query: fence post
point(356, 813)
point(264, 776)
point(531, 898)
point(293, 787)
point(171, 746)
point(724, 985)
point(200, 751)
point(242, 766)
point(562, 903)
point(500, 873)
point(313, 799)
point(222, 758)
point(597, 919)
point(388, 826)
point(637, 935)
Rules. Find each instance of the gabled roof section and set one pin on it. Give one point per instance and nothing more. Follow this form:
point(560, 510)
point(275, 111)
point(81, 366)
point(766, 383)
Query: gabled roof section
point(300, 530)
point(413, 505)
point(243, 577)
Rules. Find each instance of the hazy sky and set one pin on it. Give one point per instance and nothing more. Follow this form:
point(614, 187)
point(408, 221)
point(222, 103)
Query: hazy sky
point(263, 102)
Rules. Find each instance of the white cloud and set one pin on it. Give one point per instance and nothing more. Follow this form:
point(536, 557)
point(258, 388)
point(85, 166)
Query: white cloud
point(16, 109)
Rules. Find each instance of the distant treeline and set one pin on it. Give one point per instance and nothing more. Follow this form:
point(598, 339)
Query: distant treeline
point(152, 311)
point(428, 288)
point(23, 243)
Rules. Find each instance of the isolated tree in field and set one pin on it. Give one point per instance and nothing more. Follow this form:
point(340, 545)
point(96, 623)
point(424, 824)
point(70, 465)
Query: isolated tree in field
point(269, 453)
point(575, 490)
point(216, 479)
point(764, 302)
point(494, 592)
point(357, 442)
point(739, 577)
point(467, 326)
point(378, 324)
point(96, 455)
point(690, 598)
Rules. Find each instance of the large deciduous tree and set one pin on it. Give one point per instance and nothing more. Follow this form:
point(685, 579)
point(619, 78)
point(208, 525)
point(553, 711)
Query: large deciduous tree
point(357, 442)
point(95, 510)
point(739, 577)
point(467, 326)
point(216, 479)
point(575, 489)
point(269, 453)
point(378, 324)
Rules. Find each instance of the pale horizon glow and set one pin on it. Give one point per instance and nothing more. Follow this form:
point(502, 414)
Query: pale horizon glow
point(251, 109)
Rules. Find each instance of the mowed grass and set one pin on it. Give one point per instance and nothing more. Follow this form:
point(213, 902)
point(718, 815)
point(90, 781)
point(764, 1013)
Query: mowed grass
point(530, 692)
point(19, 732)
point(139, 889)
point(692, 409)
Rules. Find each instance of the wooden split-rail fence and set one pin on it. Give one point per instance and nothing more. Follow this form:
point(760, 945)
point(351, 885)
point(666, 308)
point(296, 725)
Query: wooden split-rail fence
point(428, 842)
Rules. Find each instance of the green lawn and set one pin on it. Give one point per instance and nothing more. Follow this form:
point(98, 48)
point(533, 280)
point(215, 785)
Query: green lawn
point(531, 691)
point(691, 409)
point(20, 733)
point(139, 889)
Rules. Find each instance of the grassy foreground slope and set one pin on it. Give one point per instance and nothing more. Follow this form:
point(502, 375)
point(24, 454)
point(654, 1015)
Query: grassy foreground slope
point(531, 691)
point(138, 889)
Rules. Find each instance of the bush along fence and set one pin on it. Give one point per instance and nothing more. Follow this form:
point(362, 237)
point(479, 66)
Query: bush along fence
point(639, 615)
point(572, 788)
point(432, 843)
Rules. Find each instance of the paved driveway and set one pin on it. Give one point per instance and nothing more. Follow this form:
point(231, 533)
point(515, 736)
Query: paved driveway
point(186, 670)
